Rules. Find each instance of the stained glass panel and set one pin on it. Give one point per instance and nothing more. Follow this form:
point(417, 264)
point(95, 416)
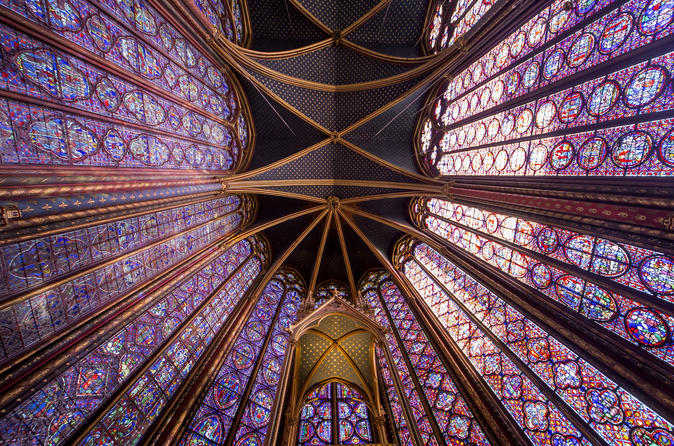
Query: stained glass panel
point(518, 140)
point(448, 407)
point(608, 409)
point(137, 249)
point(479, 232)
point(132, 92)
point(172, 329)
point(275, 310)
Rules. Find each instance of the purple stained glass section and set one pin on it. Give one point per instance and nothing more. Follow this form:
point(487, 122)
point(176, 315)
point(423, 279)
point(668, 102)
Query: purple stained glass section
point(54, 411)
point(144, 247)
point(477, 231)
point(133, 92)
point(275, 309)
point(545, 136)
point(262, 403)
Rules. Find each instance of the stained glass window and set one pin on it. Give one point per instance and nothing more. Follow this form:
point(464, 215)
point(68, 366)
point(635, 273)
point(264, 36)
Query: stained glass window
point(172, 329)
point(430, 384)
point(137, 249)
point(450, 20)
point(538, 255)
point(502, 344)
point(328, 289)
point(476, 125)
point(132, 92)
point(334, 414)
point(248, 373)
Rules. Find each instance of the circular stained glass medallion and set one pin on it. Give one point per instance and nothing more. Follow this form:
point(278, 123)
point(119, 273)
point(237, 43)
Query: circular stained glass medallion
point(553, 64)
point(580, 50)
point(531, 75)
point(645, 86)
point(603, 98)
point(261, 409)
point(569, 289)
point(561, 155)
point(114, 145)
point(523, 122)
point(598, 304)
point(559, 19)
point(545, 114)
point(666, 149)
point(592, 153)
point(540, 275)
point(657, 273)
point(518, 44)
point(656, 16)
point(615, 33)
point(646, 327)
point(517, 159)
point(537, 32)
point(571, 107)
point(242, 356)
point(538, 157)
point(609, 259)
point(547, 239)
point(631, 149)
point(512, 83)
point(508, 124)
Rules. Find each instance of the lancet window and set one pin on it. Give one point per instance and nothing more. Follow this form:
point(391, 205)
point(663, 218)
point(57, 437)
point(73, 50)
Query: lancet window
point(241, 399)
point(150, 353)
point(526, 107)
point(552, 392)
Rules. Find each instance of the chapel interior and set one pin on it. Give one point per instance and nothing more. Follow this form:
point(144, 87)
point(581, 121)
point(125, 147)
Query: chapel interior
point(337, 222)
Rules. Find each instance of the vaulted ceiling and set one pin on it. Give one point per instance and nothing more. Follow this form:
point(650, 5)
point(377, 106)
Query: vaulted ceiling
point(335, 89)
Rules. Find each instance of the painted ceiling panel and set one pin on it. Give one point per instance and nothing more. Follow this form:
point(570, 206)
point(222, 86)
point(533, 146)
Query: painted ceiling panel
point(335, 65)
point(337, 162)
point(338, 14)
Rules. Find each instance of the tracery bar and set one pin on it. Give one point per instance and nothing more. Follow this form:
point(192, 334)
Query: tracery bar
point(477, 319)
point(275, 310)
point(551, 135)
point(449, 409)
point(641, 269)
point(172, 332)
point(166, 105)
point(36, 317)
